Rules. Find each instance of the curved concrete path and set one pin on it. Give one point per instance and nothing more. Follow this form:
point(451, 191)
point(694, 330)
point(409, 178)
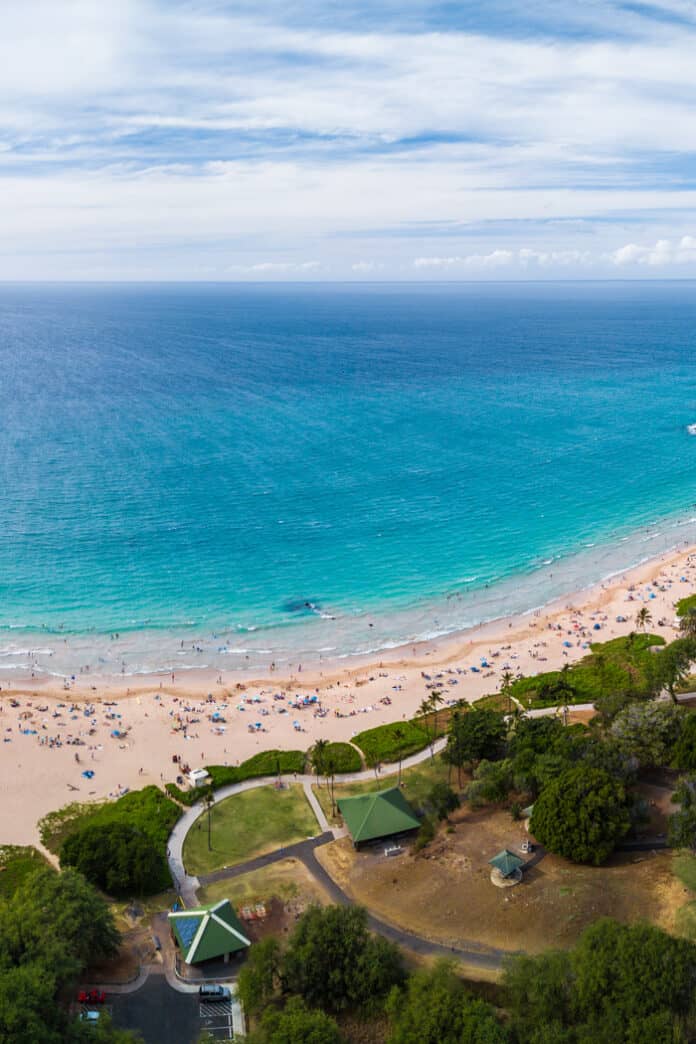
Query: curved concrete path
point(187, 885)
point(305, 852)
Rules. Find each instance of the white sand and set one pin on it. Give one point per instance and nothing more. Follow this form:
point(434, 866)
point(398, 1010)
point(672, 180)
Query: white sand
point(39, 770)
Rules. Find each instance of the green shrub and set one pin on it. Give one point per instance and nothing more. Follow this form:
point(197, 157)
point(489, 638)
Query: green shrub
point(16, 863)
point(148, 810)
point(184, 797)
point(265, 763)
point(425, 834)
point(621, 665)
point(342, 758)
point(117, 857)
point(386, 743)
point(685, 604)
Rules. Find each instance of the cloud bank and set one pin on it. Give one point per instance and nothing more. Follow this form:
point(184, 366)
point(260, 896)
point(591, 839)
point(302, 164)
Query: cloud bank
point(208, 139)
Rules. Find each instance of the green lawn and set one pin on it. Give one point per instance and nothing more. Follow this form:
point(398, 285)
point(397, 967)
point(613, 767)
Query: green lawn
point(16, 863)
point(684, 867)
point(417, 782)
point(248, 825)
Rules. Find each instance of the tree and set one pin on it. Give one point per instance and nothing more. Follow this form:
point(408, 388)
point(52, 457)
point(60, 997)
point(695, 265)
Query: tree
point(622, 984)
point(434, 1008)
point(425, 711)
point(492, 782)
point(581, 815)
point(118, 858)
point(296, 1024)
point(209, 801)
point(643, 618)
point(675, 661)
point(684, 750)
point(473, 736)
point(647, 731)
point(506, 681)
point(687, 624)
point(443, 800)
point(318, 757)
point(398, 736)
point(64, 908)
point(436, 701)
point(682, 824)
point(334, 963)
point(259, 978)
point(52, 929)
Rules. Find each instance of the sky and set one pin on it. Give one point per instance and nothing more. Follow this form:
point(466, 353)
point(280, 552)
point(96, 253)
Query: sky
point(347, 139)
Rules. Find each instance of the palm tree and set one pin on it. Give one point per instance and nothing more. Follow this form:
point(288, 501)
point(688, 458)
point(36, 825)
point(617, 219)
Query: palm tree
point(209, 800)
point(643, 618)
point(436, 700)
point(505, 687)
point(425, 710)
point(318, 757)
point(687, 624)
point(398, 736)
point(331, 782)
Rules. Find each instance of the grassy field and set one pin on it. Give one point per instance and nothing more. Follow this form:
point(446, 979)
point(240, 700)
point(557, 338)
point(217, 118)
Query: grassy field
point(288, 879)
point(684, 869)
point(16, 864)
point(247, 825)
point(417, 781)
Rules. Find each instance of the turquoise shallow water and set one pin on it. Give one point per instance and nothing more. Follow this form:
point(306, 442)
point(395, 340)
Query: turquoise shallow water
point(263, 472)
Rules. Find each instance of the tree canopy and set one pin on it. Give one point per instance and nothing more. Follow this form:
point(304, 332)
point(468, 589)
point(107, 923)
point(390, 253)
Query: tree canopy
point(581, 815)
point(296, 1024)
point(648, 731)
point(622, 984)
point(435, 1008)
point(54, 926)
point(117, 857)
point(334, 963)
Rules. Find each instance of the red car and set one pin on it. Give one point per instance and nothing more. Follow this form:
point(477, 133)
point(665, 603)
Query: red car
point(91, 997)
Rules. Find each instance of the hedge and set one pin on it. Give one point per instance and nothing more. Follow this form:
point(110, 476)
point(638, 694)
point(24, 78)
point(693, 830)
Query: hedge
point(343, 758)
point(265, 763)
point(148, 810)
point(383, 744)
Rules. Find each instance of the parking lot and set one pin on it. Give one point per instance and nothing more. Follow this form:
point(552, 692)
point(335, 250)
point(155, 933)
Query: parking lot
point(159, 1013)
point(217, 1019)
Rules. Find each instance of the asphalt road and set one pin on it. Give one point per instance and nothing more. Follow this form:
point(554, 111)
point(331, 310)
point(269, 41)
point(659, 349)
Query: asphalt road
point(159, 1013)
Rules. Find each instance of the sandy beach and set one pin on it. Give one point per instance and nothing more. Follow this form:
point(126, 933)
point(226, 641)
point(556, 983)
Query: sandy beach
point(127, 736)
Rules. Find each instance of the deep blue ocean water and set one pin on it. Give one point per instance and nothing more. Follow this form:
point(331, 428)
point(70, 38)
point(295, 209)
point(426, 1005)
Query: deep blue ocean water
point(200, 462)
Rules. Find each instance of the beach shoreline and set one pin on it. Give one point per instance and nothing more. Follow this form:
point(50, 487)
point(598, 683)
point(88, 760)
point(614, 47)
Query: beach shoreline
point(128, 734)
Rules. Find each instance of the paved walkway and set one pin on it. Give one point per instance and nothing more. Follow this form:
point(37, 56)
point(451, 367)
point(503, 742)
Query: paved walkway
point(187, 885)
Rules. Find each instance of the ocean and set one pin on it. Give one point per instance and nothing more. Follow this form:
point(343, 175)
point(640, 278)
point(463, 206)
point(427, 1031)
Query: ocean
point(229, 475)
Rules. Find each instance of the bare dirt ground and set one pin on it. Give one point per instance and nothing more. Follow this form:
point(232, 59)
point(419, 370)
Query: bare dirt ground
point(445, 893)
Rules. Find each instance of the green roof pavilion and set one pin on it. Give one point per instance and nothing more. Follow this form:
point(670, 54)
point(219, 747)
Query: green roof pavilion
point(506, 863)
point(379, 813)
point(208, 931)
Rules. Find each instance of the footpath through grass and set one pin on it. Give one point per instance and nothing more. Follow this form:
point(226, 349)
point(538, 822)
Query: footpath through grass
point(248, 825)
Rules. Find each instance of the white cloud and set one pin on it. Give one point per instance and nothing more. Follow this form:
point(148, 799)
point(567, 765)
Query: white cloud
point(523, 257)
point(663, 252)
point(190, 137)
point(365, 267)
point(278, 267)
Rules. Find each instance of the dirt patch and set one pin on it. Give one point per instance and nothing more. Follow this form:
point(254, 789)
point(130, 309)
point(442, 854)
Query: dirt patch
point(445, 893)
point(339, 860)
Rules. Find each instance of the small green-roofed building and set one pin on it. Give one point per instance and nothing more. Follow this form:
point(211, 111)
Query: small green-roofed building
point(208, 932)
point(506, 863)
point(380, 813)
